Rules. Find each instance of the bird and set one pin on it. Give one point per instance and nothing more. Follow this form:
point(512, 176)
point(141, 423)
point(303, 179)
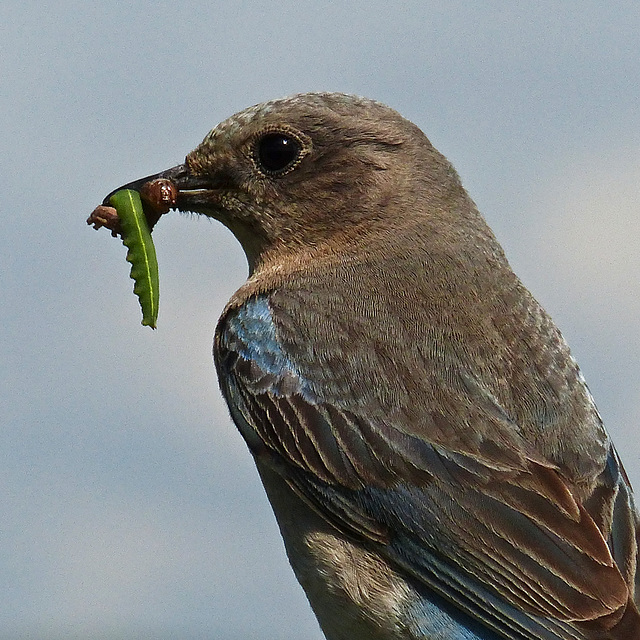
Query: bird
point(434, 459)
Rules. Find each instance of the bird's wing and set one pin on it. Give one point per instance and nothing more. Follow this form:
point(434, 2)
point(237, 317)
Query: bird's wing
point(501, 536)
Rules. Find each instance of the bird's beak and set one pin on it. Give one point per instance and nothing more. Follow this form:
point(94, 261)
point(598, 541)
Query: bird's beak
point(184, 191)
point(180, 176)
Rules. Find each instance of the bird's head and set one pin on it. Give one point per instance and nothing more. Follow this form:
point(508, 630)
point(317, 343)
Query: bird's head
point(306, 170)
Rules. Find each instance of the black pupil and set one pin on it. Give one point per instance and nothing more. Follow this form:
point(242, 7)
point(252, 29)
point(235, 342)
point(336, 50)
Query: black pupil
point(277, 151)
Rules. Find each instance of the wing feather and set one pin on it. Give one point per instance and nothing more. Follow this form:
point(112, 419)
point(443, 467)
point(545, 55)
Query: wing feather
point(505, 539)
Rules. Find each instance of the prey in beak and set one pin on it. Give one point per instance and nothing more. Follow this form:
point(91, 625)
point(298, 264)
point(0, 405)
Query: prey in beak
point(175, 188)
point(131, 212)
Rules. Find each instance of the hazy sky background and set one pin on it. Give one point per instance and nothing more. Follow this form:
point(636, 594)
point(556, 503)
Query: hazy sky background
point(130, 507)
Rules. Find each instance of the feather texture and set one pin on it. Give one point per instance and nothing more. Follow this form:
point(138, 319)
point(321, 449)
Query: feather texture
point(507, 529)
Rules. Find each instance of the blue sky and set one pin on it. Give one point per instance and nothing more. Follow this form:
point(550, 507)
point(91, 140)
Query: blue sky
point(130, 507)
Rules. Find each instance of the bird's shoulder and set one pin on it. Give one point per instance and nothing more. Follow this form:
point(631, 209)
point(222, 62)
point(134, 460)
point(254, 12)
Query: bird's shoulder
point(484, 372)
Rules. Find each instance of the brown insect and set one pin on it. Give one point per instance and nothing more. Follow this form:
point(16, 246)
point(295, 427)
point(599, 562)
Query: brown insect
point(103, 216)
point(159, 194)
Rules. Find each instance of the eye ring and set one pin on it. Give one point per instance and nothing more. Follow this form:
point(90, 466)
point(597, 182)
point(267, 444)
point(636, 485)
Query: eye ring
point(278, 151)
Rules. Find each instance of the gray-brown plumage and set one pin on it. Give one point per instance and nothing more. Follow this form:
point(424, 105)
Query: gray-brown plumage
point(434, 458)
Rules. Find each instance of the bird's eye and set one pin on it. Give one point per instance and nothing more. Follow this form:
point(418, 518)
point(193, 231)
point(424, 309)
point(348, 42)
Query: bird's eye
point(277, 152)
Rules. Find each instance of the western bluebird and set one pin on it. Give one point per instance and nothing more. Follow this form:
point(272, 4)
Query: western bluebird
point(434, 459)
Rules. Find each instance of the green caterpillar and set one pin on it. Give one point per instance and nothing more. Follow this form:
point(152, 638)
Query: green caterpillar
point(141, 254)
